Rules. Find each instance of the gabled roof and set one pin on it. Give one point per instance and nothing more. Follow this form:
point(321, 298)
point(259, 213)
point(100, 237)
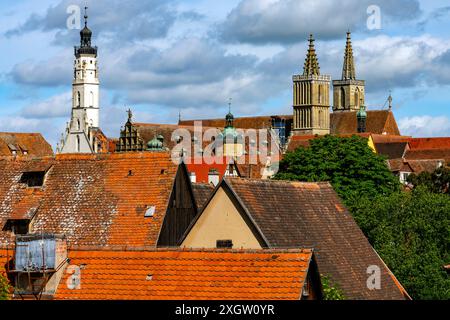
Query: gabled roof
point(92, 199)
point(393, 150)
point(296, 214)
point(378, 122)
point(31, 144)
point(428, 154)
point(188, 275)
point(429, 143)
point(202, 192)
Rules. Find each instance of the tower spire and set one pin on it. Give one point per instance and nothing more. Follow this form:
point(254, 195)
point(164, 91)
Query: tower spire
point(348, 70)
point(311, 66)
point(85, 15)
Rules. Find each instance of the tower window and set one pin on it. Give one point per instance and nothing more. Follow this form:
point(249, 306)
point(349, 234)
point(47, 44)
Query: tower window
point(343, 98)
point(33, 179)
point(78, 144)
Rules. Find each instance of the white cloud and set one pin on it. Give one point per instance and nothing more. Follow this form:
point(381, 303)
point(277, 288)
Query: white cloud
point(287, 21)
point(425, 126)
point(54, 107)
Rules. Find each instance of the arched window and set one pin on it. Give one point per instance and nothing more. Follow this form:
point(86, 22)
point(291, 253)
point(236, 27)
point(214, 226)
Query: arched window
point(78, 99)
point(92, 99)
point(343, 98)
point(78, 144)
point(357, 97)
point(320, 118)
point(320, 94)
point(78, 124)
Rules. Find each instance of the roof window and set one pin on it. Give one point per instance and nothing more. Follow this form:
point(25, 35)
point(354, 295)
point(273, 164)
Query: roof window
point(33, 179)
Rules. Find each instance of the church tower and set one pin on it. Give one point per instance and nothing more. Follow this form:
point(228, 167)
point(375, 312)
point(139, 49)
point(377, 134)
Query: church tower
point(311, 97)
point(84, 122)
point(348, 92)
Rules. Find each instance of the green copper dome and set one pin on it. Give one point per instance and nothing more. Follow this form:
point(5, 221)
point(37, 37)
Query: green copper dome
point(154, 144)
point(362, 112)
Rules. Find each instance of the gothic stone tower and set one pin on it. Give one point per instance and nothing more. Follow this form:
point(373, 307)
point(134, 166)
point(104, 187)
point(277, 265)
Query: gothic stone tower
point(311, 98)
point(85, 98)
point(348, 92)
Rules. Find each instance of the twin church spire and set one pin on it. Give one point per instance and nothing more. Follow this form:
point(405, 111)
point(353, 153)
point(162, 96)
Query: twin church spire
point(311, 92)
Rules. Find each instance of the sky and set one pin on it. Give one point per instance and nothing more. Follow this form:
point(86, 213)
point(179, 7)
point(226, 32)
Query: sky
point(162, 58)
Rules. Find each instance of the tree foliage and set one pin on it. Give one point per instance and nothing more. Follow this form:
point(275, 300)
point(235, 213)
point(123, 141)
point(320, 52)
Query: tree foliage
point(410, 230)
point(437, 182)
point(348, 163)
point(4, 287)
point(330, 291)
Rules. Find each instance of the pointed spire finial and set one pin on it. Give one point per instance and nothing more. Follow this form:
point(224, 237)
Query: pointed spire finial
point(179, 115)
point(348, 70)
point(130, 114)
point(229, 104)
point(390, 100)
point(85, 15)
point(311, 66)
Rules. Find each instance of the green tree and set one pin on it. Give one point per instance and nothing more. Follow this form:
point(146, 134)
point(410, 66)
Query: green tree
point(411, 232)
point(347, 163)
point(4, 287)
point(330, 291)
point(437, 182)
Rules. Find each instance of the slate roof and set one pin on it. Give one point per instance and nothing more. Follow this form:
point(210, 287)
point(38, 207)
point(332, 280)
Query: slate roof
point(188, 275)
point(295, 214)
point(202, 192)
point(393, 150)
point(92, 199)
point(31, 144)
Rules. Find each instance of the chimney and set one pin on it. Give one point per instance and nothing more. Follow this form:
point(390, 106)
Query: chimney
point(193, 177)
point(213, 177)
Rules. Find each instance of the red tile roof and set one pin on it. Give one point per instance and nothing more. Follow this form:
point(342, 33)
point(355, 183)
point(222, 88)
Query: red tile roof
point(92, 199)
point(378, 122)
point(428, 154)
point(297, 214)
point(202, 192)
point(31, 144)
point(188, 275)
point(429, 143)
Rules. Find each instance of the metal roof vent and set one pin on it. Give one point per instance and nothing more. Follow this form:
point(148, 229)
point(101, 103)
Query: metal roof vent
point(150, 212)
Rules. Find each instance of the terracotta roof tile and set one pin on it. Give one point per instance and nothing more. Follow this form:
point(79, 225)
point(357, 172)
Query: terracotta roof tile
point(429, 143)
point(393, 150)
point(428, 154)
point(295, 214)
point(202, 192)
point(188, 275)
point(31, 144)
point(92, 199)
point(378, 122)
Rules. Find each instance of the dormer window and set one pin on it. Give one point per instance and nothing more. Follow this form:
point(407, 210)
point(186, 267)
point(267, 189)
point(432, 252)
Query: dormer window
point(17, 226)
point(33, 179)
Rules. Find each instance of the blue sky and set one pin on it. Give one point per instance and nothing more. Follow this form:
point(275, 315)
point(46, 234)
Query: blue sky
point(160, 57)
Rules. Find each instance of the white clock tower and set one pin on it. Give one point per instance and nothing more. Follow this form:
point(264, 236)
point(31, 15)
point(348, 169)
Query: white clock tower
point(84, 122)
